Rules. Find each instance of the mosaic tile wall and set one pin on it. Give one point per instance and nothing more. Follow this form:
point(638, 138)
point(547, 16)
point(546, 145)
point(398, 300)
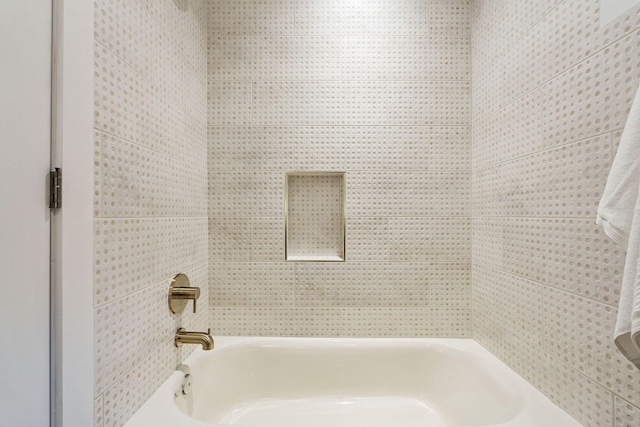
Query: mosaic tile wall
point(379, 89)
point(150, 192)
point(551, 92)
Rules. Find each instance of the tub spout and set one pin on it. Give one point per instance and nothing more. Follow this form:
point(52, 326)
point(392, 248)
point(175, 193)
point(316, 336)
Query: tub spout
point(202, 338)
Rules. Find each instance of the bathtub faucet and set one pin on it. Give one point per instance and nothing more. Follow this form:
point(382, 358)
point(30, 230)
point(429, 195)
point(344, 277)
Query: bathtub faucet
point(202, 338)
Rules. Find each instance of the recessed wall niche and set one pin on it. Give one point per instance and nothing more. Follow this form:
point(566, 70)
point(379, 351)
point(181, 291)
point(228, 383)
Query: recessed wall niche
point(315, 216)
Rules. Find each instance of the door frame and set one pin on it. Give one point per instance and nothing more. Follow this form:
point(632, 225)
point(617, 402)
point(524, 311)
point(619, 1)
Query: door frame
point(72, 337)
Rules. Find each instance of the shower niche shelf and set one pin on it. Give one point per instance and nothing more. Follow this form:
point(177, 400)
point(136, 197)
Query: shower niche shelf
point(315, 216)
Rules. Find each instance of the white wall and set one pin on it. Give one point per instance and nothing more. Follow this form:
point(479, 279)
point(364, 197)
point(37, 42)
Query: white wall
point(72, 234)
point(25, 86)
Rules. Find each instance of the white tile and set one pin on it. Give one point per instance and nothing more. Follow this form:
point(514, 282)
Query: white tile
point(404, 58)
point(267, 239)
point(570, 254)
point(274, 58)
point(246, 194)
point(252, 284)
point(430, 239)
point(412, 194)
point(626, 415)
point(367, 239)
point(510, 301)
point(137, 384)
point(335, 17)
point(124, 257)
point(230, 103)
point(230, 239)
point(449, 17)
point(127, 29)
point(575, 326)
point(98, 412)
point(128, 330)
point(250, 17)
point(315, 215)
point(360, 103)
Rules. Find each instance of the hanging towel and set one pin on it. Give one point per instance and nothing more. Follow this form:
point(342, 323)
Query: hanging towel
point(619, 216)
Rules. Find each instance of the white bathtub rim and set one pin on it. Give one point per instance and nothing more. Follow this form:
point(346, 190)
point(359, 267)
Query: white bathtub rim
point(160, 409)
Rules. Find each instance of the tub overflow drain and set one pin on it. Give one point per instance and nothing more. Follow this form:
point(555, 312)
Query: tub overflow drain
point(186, 384)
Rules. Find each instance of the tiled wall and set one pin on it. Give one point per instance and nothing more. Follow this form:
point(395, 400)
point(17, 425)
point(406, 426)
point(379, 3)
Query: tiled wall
point(378, 88)
point(150, 192)
point(551, 92)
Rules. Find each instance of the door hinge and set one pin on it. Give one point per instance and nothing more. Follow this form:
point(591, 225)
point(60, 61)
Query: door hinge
point(55, 189)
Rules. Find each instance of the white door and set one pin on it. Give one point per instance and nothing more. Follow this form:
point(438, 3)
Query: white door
point(25, 116)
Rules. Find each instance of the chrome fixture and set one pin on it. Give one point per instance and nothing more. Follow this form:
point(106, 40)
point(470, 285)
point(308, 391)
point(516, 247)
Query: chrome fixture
point(180, 292)
point(203, 338)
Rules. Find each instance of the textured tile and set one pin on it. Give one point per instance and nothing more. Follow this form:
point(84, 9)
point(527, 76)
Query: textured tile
point(267, 239)
point(338, 148)
point(582, 398)
point(367, 239)
point(315, 215)
point(511, 132)
point(449, 284)
point(276, 321)
point(361, 148)
point(569, 254)
point(274, 58)
point(127, 331)
point(124, 257)
point(378, 89)
point(550, 90)
point(135, 386)
point(562, 182)
point(251, 148)
point(181, 244)
point(381, 322)
point(575, 327)
point(98, 412)
point(120, 93)
point(138, 182)
point(359, 103)
point(250, 17)
point(150, 192)
point(626, 415)
point(230, 239)
point(511, 301)
point(450, 148)
point(376, 194)
point(405, 58)
point(487, 238)
point(230, 103)
point(127, 29)
point(430, 239)
point(246, 194)
point(251, 284)
point(335, 17)
point(361, 285)
point(407, 322)
point(449, 17)
point(594, 96)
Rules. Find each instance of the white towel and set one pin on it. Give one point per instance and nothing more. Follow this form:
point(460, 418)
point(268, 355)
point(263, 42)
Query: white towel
point(619, 215)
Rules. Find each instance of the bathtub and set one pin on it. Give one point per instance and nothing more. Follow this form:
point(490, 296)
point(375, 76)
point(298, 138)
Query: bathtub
point(312, 382)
